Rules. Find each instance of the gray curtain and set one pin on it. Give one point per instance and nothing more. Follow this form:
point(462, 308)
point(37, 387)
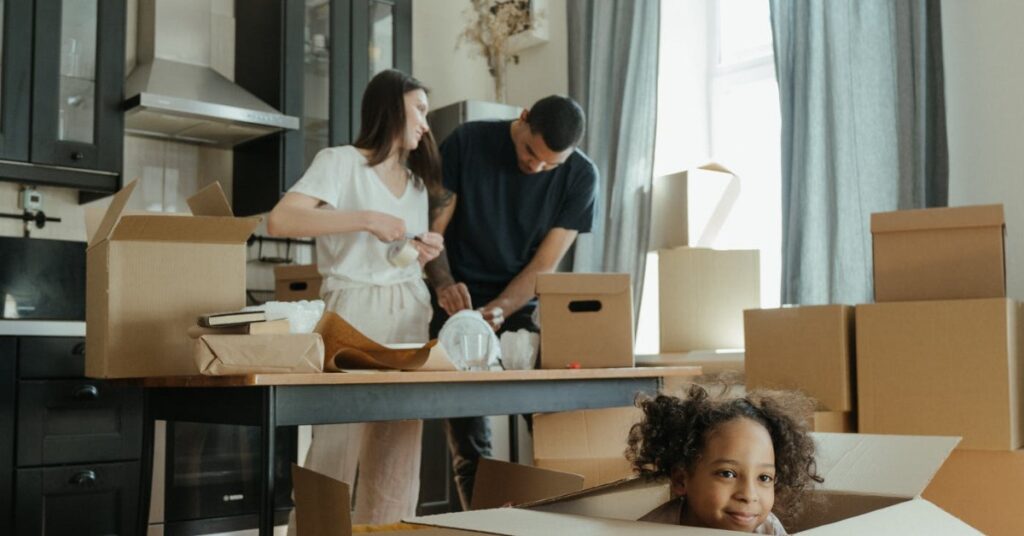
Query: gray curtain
point(863, 130)
point(613, 74)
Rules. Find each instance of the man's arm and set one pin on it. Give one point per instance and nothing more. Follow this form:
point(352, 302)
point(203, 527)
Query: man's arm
point(451, 296)
point(523, 286)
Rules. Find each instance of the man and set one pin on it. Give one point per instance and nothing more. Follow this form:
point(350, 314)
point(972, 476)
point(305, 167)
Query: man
point(517, 194)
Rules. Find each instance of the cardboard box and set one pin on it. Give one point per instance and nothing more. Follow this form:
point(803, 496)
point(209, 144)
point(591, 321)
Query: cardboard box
point(585, 319)
point(702, 294)
point(589, 442)
point(872, 483)
point(939, 254)
point(942, 368)
point(691, 207)
point(150, 276)
point(322, 508)
point(836, 422)
point(500, 483)
point(808, 348)
point(225, 355)
point(983, 488)
point(294, 282)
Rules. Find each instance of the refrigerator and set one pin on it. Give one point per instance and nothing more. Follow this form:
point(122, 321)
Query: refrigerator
point(444, 119)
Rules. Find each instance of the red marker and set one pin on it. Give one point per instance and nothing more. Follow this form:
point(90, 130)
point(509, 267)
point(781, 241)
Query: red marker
point(573, 365)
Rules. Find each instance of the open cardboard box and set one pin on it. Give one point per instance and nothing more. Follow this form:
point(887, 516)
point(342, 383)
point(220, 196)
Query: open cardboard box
point(148, 277)
point(873, 485)
point(322, 503)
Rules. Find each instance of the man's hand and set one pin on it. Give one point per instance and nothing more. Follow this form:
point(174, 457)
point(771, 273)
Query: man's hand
point(454, 298)
point(495, 316)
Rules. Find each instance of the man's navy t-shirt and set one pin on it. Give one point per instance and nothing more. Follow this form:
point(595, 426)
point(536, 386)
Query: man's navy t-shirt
point(501, 214)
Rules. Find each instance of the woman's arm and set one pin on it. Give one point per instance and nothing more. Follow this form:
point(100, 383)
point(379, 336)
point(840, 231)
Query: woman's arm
point(297, 215)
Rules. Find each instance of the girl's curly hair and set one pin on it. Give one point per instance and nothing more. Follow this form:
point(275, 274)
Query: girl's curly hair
point(674, 432)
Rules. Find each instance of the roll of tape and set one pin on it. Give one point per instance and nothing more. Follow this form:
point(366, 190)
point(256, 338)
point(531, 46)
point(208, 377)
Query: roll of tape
point(402, 254)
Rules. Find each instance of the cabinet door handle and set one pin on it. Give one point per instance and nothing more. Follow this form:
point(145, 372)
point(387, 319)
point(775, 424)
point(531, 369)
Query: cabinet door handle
point(87, 392)
point(77, 155)
point(83, 478)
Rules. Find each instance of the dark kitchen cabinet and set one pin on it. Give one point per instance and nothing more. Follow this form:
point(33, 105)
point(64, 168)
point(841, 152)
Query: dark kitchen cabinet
point(326, 51)
point(8, 381)
point(70, 446)
point(78, 500)
point(61, 92)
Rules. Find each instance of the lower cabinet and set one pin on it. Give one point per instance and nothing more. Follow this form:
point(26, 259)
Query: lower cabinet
point(77, 500)
point(70, 446)
point(8, 381)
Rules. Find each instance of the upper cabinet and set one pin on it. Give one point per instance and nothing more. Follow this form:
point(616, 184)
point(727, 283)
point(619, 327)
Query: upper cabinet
point(63, 60)
point(327, 52)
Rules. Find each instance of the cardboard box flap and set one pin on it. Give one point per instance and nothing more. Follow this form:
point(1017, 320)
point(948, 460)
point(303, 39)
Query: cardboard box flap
point(519, 522)
point(715, 166)
point(198, 229)
point(321, 504)
point(287, 272)
point(627, 499)
point(937, 218)
point(501, 483)
point(910, 517)
point(583, 434)
point(885, 465)
point(113, 213)
point(591, 283)
point(210, 201)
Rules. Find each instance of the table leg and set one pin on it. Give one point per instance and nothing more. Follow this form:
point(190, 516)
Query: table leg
point(145, 468)
point(268, 432)
point(513, 438)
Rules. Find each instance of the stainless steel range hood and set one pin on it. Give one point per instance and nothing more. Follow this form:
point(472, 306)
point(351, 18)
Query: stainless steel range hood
point(191, 103)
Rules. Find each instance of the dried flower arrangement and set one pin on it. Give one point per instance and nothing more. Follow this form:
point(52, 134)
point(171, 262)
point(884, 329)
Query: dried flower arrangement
point(492, 23)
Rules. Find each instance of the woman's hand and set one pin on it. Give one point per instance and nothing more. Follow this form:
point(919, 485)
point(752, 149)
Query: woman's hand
point(429, 245)
point(385, 227)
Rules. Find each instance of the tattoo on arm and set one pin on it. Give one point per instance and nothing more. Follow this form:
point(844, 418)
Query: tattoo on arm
point(439, 273)
point(439, 202)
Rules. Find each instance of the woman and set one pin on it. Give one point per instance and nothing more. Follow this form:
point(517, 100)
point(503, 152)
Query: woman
point(357, 200)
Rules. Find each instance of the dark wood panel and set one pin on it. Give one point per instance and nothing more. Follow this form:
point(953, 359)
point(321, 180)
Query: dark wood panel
point(75, 421)
point(51, 357)
point(8, 360)
point(84, 500)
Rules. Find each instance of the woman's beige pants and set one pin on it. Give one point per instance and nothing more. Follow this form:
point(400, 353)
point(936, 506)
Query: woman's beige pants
point(387, 454)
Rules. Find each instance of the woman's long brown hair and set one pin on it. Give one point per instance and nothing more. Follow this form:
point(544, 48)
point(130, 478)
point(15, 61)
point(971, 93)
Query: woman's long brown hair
point(383, 121)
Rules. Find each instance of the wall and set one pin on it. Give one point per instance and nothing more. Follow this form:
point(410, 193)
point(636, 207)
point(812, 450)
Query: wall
point(455, 74)
point(982, 45)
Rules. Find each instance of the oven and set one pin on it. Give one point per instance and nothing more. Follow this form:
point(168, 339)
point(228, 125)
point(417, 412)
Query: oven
point(206, 478)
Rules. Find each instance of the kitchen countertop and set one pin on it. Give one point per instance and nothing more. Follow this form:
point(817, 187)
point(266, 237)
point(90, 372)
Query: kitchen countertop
point(42, 328)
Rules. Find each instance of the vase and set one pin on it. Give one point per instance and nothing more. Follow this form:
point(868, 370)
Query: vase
point(499, 70)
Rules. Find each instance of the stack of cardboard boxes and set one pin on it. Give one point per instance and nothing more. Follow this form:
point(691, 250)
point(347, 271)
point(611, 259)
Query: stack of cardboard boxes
point(937, 354)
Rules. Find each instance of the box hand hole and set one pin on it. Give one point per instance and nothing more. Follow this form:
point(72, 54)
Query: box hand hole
point(584, 306)
point(298, 286)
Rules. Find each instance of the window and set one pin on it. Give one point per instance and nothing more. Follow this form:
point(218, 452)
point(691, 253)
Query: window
point(718, 101)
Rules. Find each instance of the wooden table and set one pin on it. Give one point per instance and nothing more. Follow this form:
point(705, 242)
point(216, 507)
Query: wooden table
point(271, 400)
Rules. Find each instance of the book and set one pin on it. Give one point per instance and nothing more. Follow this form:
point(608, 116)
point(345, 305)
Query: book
point(234, 318)
point(256, 328)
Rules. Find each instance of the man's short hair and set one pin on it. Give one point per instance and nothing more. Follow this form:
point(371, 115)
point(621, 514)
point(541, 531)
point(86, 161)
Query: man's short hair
point(559, 120)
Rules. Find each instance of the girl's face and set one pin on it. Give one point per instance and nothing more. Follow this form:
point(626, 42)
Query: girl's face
point(415, 119)
point(732, 486)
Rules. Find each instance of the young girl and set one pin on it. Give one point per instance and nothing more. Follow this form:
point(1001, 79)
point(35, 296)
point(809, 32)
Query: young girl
point(356, 200)
point(733, 464)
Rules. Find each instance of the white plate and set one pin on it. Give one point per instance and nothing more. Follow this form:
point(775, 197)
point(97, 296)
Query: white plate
point(404, 345)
